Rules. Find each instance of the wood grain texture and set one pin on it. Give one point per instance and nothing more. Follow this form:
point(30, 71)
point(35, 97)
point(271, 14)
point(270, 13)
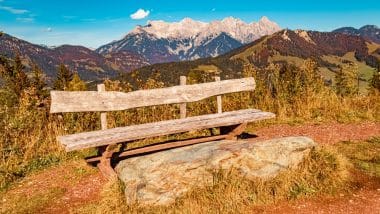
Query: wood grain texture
point(123, 134)
point(182, 106)
point(103, 115)
point(218, 99)
point(84, 101)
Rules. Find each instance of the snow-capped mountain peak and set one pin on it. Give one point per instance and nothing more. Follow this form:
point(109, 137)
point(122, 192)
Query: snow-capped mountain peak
point(188, 28)
point(188, 39)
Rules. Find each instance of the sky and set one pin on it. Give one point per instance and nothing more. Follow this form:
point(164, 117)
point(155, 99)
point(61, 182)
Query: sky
point(92, 23)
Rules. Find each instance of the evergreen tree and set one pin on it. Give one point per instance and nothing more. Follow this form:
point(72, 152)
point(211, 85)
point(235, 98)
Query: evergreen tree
point(38, 81)
point(76, 84)
point(14, 79)
point(64, 76)
point(375, 81)
point(347, 79)
point(17, 76)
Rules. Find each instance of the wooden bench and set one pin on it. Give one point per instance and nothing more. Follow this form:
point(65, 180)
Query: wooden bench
point(107, 139)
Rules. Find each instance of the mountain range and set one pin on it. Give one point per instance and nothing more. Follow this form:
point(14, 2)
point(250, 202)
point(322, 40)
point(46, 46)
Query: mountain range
point(157, 42)
point(89, 64)
point(370, 32)
point(287, 47)
point(160, 42)
point(188, 39)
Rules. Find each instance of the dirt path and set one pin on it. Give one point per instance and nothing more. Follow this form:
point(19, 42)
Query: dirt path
point(82, 184)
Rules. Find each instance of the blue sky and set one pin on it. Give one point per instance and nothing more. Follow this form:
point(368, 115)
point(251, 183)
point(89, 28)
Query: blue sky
point(95, 22)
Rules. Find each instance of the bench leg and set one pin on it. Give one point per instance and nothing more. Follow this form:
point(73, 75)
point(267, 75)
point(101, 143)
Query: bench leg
point(104, 165)
point(232, 135)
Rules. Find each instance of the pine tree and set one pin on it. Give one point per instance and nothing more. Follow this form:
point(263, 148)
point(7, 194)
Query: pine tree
point(38, 81)
point(375, 81)
point(18, 76)
point(347, 79)
point(76, 84)
point(64, 76)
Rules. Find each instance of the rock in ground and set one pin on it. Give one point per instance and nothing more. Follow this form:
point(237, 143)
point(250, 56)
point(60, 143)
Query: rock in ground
point(161, 177)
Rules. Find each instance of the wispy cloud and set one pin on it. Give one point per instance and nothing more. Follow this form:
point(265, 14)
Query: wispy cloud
point(25, 20)
point(49, 29)
point(13, 10)
point(140, 14)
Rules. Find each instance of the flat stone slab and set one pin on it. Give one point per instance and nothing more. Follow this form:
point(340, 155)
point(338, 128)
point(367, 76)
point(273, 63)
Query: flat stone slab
point(160, 178)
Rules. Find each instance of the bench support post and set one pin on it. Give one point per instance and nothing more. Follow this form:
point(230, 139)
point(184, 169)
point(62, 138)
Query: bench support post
point(232, 134)
point(104, 165)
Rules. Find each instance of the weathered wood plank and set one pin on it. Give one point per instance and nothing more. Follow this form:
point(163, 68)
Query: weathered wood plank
point(103, 115)
point(218, 99)
point(84, 101)
point(123, 134)
point(182, 106)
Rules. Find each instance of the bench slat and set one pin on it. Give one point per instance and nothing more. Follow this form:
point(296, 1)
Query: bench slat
point(134, 132)
point(85, 101)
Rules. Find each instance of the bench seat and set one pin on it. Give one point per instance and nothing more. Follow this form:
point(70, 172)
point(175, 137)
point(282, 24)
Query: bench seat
point(124, 134)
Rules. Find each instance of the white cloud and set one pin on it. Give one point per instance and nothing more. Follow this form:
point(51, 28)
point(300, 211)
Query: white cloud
point(140, 14)
point(25, 20)
point(13, 10)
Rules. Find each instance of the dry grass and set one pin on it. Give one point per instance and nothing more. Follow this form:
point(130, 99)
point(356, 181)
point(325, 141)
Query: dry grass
point(364, 155)
point(30, 203)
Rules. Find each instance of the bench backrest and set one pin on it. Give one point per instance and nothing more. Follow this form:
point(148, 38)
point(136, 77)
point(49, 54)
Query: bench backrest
point(102, 101)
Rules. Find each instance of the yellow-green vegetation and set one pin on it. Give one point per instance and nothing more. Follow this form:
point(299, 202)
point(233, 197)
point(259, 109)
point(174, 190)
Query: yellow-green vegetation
point(364, 72)
point(372, 47)
point(365, 155)
point(289, 59)
point(208, 68)
point(31, 203)
point(321, 172)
